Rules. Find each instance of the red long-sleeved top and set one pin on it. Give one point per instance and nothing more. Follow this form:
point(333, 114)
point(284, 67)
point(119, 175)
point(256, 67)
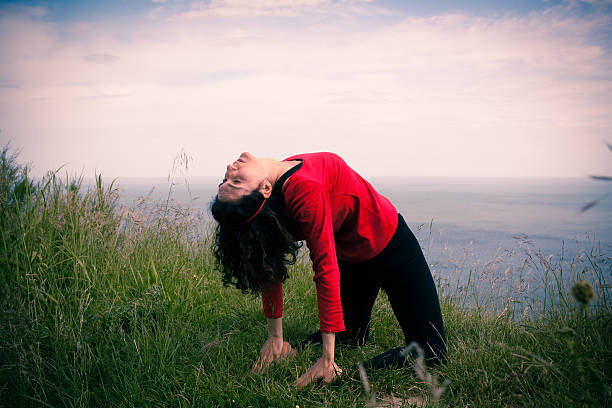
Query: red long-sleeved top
point(340, 216)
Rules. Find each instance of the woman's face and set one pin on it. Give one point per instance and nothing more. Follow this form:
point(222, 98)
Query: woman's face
point(241, 177)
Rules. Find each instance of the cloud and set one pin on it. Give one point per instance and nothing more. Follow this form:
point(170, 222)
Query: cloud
point(598, 2)
point(79, 27)
point(276, 8)
point(103, 96)
point(36, 11)
point(453, 94)
point(23, 10)
point(100, 58)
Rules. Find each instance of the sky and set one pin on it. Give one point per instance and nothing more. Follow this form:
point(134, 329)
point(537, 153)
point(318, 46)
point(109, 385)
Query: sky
point(398, 88)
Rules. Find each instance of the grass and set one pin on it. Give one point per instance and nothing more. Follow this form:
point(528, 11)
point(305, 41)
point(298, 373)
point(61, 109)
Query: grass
point(122, 307)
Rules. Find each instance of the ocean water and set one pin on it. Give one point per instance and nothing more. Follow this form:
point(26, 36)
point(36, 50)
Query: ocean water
point(491, 212)
point(497, 231)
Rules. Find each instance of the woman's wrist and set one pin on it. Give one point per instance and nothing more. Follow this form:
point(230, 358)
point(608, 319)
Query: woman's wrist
point(329, 343)
point(275, 327)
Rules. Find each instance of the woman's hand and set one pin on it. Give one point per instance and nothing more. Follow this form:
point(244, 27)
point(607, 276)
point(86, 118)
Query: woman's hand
point(324, 369)
point(274, 349)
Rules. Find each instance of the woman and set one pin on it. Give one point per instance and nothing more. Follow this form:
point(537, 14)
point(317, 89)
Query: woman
point(358, 244)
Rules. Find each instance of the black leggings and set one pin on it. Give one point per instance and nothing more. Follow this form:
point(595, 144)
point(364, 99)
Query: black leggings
point(402, 272)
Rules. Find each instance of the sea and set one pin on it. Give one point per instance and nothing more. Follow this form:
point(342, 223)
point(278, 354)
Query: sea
point(506, 236)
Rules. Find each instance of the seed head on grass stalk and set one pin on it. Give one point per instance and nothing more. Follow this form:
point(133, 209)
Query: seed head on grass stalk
point(593, 203)
point(424, 375)
point(366, 385)
point(583, 292)
point(180, 165)
point(430, 379)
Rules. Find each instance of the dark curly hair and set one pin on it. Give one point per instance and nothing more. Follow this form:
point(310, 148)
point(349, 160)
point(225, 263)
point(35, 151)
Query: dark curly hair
point(253, 255)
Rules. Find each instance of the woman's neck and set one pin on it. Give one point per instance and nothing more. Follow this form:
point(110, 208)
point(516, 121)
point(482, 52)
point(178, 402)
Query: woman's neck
point(275, 169)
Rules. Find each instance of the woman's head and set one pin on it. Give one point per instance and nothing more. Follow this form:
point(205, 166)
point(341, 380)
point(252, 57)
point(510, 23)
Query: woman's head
point(253, 243)
point(243, 177)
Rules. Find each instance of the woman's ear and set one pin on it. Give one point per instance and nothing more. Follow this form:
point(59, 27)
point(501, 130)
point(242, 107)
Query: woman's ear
point(266, 188)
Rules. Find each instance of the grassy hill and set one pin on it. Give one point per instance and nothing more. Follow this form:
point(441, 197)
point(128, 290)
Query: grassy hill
point(121, 307)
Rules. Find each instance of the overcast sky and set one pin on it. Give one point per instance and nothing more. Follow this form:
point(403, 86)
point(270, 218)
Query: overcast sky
point(512, 88)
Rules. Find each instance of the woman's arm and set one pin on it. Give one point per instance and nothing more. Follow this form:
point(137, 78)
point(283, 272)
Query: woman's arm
point(311, 208)
point(275, 348)
point(325, 367)
point(309, 204)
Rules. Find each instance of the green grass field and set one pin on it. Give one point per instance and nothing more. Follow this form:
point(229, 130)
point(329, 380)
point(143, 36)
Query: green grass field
point(114, 307)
